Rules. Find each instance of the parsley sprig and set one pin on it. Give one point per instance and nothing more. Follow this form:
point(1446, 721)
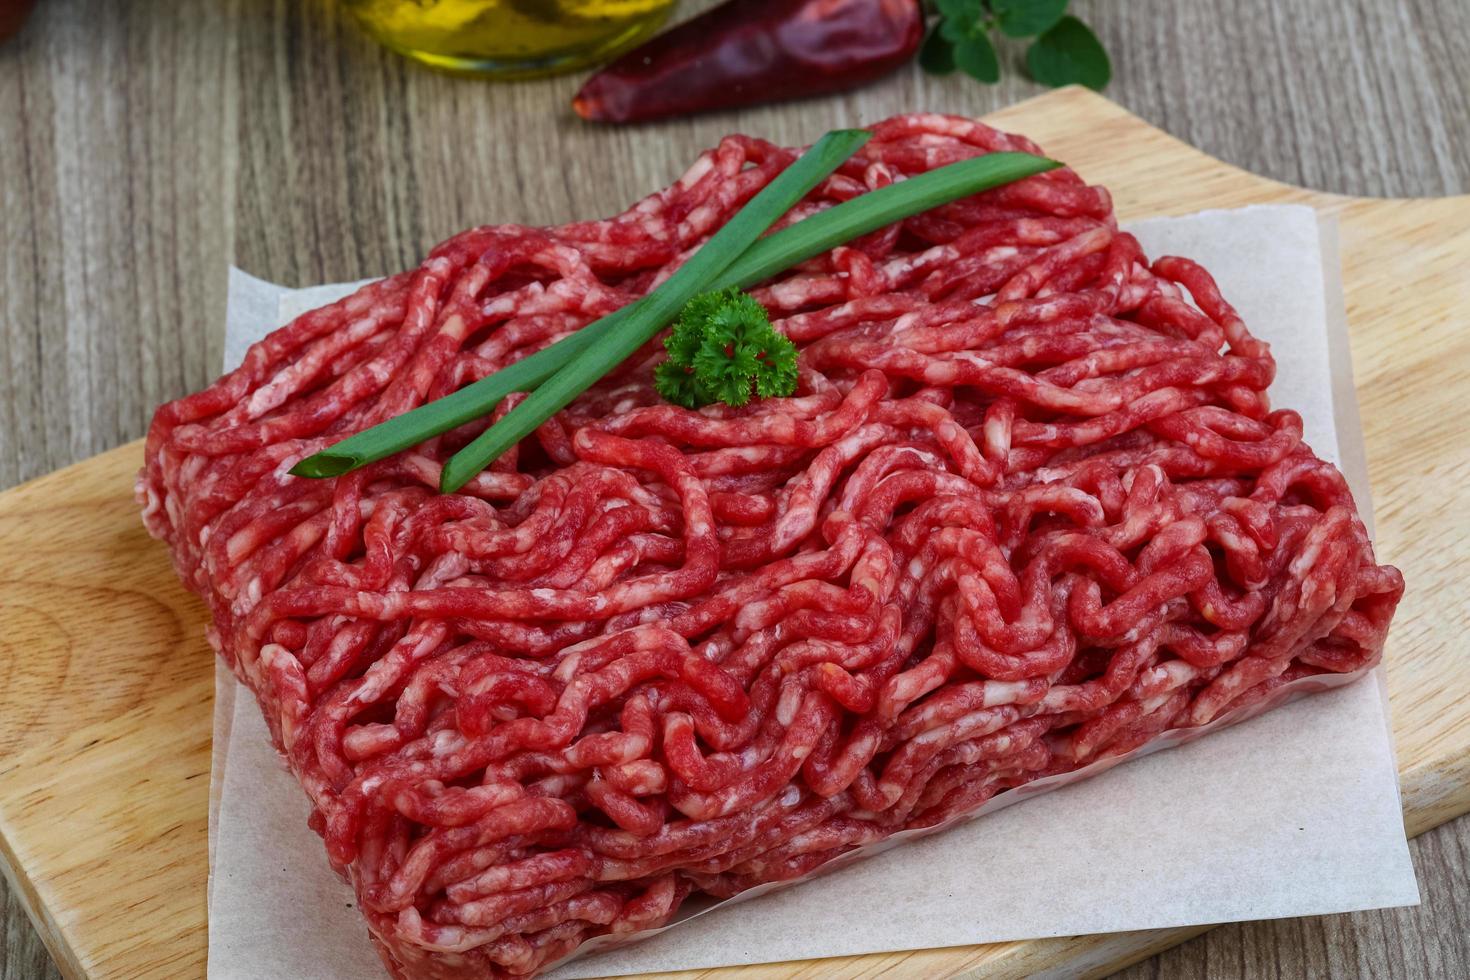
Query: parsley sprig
point(1064, 52)
point(722, 347)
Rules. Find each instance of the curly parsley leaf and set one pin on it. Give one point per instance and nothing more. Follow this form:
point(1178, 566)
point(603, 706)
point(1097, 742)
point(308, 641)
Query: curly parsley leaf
point(775, 373)
point(676, 383)
point(683, 341)
point(721, 347)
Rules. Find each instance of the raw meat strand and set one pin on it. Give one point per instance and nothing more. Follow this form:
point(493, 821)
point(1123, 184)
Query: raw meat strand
point(1028, 509)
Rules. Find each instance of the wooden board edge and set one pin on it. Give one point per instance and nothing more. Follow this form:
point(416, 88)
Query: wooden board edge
point(20, 883)
point(47, 928)
point(153, 783)
point(1434, 794)
point(49, 483)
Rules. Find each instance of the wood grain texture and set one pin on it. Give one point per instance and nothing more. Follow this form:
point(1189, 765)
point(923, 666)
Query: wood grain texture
point(141, 150)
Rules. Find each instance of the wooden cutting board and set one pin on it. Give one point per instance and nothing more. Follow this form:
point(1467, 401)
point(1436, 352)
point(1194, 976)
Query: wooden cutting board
point(106, 683)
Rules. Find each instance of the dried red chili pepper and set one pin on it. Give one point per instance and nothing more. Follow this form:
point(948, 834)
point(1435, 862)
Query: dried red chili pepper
point(13, 14)
point(750, 51)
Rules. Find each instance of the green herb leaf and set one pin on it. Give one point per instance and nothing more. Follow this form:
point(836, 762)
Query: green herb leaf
point(776, 370)
point(1069, 53)
point(726, 376)
point(683, 341)
point(966, 27)
point(676, 383)
point(961, 14)
point(734, 347)
point(1027, 18)
point(937, 55)
point(975, 56)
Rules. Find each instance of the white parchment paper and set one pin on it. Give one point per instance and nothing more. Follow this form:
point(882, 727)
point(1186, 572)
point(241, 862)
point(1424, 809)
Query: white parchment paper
point(1295, 812)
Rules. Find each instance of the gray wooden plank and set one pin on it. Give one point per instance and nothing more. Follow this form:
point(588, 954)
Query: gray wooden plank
point(116, 222)
point(22, 957)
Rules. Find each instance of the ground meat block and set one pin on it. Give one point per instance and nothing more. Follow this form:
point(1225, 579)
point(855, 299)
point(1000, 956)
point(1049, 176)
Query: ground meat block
point(1028, 509)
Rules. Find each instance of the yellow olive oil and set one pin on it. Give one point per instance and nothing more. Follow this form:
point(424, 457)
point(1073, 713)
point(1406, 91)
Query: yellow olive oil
point(510, 38)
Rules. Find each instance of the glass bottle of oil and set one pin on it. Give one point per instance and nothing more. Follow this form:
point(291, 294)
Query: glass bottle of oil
point(510, 38)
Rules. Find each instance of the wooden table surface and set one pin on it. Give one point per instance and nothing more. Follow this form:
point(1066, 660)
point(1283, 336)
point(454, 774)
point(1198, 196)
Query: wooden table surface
point(144, 147)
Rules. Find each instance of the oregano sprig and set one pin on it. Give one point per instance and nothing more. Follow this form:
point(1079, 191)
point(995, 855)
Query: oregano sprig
point(1064, 51)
